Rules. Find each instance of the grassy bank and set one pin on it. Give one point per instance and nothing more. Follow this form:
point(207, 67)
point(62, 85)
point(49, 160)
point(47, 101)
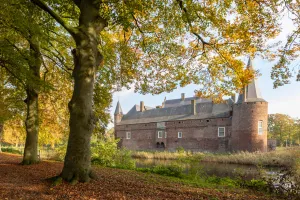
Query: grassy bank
point(286, 157)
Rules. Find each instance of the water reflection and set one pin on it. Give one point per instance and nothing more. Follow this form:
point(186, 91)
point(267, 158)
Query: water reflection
point(247, 172)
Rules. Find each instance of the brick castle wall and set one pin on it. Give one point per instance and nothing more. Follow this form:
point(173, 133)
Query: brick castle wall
point(197, 135)
point(245, 119)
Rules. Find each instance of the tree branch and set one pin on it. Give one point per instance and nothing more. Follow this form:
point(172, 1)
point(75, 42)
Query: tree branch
point(190, 24)
point(2, 64)
point(47, 9)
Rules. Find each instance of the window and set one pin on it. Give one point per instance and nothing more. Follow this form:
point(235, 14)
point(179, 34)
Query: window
point(179, 134)
point(128, 135)
point(165, 134)
point(260, 127)
point(159, 134)
point(221, 132)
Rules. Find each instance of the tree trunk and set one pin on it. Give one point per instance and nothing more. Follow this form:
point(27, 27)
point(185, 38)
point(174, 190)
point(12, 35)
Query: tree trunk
point(77, 165)
point(32, 129)
point(32, 119)
point(1, 134)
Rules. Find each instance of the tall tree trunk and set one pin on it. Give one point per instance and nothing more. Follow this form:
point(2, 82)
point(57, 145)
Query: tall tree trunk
point(32, 129)
point(32, 119)
point(1, 134)
point(77, 165)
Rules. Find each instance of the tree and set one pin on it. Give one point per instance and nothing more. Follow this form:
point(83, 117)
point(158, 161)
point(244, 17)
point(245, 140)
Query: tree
point(290, 51)
point(154, 45)
point(283, 128)
point(24, 51)
point(23, 43)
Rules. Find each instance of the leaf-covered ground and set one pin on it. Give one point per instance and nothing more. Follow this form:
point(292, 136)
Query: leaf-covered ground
point(29, 182)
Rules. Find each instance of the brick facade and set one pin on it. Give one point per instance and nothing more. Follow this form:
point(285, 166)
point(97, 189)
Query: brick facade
point(241, 132)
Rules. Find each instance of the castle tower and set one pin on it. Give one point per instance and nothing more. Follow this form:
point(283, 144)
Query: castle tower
point(118, 114)
point(250, 120)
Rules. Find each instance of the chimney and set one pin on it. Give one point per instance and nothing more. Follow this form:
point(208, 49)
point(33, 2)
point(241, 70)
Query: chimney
point(182, 97)
point(245, 94)
point(193, 106)
point(142, 106)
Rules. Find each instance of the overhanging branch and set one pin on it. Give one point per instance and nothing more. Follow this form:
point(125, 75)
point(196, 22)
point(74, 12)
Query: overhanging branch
point(47, 9)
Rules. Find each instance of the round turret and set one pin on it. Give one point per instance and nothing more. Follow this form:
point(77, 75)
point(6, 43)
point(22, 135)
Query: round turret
point(249, 126)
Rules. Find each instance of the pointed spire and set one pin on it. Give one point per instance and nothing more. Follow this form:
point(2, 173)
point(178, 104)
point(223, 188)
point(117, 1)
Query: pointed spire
point(249, 65)
point(118, 109)
point(251, 91)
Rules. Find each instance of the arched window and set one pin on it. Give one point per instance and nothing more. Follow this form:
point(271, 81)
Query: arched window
point(157, 145)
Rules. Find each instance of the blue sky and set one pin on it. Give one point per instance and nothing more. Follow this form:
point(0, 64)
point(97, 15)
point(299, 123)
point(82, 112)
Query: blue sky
point(285, 99)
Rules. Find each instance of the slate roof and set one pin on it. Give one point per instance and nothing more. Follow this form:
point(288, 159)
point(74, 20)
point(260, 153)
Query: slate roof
point(186, 101)
point(204, 110)
point(252, 90)
point(118, 109)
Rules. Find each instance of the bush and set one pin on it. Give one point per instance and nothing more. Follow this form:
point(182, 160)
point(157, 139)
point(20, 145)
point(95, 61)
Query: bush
point(180, 150)
point(172, 170)
point(105, 153)
point(123, 159)
point(286, 184)
point(254, 184)
point(13, 150)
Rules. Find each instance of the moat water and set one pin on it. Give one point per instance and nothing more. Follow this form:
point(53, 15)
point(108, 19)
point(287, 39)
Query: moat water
point(247, 172)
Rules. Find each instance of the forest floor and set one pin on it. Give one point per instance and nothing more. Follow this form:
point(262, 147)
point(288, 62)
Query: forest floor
point(30, 182)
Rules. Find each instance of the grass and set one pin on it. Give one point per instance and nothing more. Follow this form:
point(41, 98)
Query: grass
point(286, 157)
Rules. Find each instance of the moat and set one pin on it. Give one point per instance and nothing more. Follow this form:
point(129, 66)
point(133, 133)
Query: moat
point(247, 172)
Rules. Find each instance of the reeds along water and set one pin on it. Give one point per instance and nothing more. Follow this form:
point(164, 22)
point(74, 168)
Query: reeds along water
point(286, 157)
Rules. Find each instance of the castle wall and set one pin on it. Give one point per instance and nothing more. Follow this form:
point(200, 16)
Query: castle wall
point(197, 135)
point(245, 119)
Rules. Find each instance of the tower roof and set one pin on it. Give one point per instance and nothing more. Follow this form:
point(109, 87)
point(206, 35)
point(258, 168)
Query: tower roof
point(249, 65)
point(251, 91)
point(118, 109)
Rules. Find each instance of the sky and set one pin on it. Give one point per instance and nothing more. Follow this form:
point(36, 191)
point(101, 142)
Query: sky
point(285, 99)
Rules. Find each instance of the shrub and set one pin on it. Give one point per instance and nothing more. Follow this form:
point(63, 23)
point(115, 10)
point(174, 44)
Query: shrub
point(123, 159)
point(172, 170)
point(13, 150)
point(105, 153)
point(180, 150)
point(286, 184)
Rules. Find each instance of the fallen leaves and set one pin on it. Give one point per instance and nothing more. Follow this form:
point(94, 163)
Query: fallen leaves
point(30, 182)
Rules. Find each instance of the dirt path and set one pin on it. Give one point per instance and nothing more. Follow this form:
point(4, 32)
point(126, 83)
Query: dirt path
point(29, 182)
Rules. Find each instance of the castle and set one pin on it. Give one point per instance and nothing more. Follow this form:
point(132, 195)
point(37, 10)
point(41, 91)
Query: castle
point(197, 124)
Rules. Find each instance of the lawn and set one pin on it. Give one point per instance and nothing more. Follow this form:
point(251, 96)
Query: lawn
point(30, 182)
